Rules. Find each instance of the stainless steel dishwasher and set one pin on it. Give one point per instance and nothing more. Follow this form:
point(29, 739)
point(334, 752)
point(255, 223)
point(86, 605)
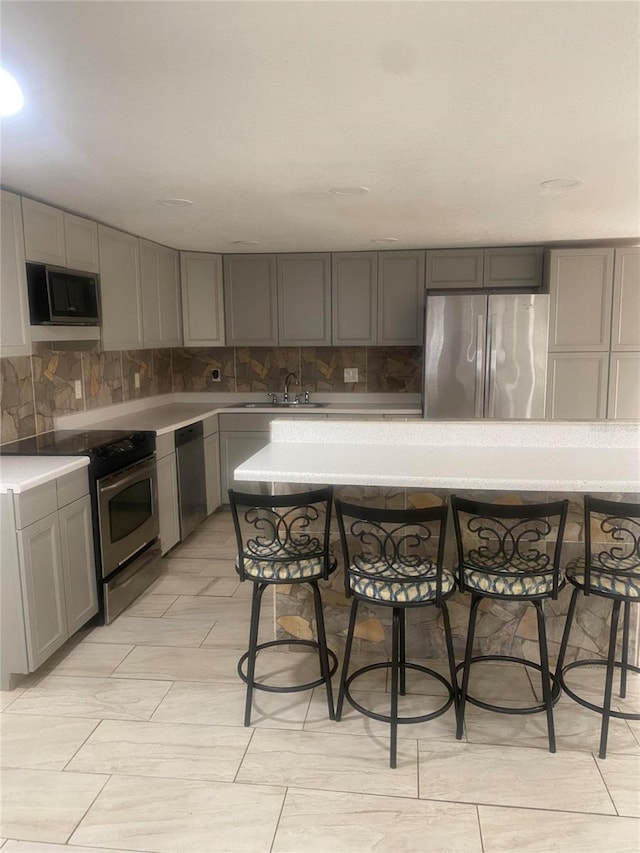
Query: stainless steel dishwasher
point(192, 494)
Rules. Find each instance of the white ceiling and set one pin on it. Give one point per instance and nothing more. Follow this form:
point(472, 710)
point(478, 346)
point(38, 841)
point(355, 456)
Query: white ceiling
point(451, 113)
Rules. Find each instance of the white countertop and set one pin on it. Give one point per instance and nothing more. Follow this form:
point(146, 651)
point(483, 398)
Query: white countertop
point(533, 456)
point(21, 473)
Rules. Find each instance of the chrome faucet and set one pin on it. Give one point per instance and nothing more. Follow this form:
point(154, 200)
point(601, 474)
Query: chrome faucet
point(290, 376)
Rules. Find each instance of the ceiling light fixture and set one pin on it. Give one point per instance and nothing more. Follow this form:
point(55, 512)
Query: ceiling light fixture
point(246, 243)
point(349, 190)
point(562, 184)
point(11, 97)
point(385, 240)
point(175, 202)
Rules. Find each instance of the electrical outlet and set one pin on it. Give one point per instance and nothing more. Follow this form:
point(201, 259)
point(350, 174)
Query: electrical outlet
point(136, 380)
point(215, 374)
point(78, 389)
point(351, 374)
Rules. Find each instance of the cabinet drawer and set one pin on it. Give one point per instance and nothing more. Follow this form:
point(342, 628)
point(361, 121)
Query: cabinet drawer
point(165, 444)
point(245, 423)
point(210, 425)
point(72, 487)
point(34, 504)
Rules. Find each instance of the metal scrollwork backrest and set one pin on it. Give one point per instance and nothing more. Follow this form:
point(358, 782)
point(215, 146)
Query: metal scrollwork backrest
point(501, 545)
point(281, 534)
point(399, 552)
point(614, 544)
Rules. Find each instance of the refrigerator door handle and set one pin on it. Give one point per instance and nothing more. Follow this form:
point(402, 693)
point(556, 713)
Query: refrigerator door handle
point(491, 367)
point(479, 384)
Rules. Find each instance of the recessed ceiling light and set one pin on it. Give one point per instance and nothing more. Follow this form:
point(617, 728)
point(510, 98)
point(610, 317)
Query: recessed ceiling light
point(175, 202)
point(246, 243)
point(385, 240)
point(349, 190)
point(11, 97)
point(562, 184)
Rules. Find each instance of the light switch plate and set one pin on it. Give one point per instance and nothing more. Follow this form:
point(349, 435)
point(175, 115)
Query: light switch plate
point(351, 374)
point(136, 380)
point(78, 389)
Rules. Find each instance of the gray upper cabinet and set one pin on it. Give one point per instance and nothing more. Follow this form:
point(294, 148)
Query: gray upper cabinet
point(454, 268)
point(400, 298)
point(513, 267)
point(14, 308)
point(625, 326)
point(58, 238)
point(354, 298)
point(304, 299)
point(120, 290)
point(624, 386)
point(250, 300)
point(581, 284)
point(202, 299)
point(161, 301)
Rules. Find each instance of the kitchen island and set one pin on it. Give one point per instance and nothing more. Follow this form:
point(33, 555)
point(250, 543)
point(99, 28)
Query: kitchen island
point(419, 463)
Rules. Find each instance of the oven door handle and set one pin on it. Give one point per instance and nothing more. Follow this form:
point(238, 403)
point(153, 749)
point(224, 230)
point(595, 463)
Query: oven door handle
point(116, 481)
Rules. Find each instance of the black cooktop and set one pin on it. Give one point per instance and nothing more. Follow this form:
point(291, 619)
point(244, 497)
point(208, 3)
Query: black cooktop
point(66, 442)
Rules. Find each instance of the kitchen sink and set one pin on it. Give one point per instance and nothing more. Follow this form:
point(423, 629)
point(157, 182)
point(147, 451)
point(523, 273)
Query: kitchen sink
point(280, 405)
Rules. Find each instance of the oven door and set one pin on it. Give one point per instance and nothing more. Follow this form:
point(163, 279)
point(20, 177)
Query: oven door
point(127, 512)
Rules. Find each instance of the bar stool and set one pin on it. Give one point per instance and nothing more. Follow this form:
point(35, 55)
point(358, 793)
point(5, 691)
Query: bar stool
point(510, 553)
point(284, 539)
point(610, 569)
point(393, 558)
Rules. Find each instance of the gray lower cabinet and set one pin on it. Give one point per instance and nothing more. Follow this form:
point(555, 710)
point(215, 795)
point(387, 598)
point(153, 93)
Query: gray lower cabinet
point(577, 385)
point(212, 462)
point(168, 511)
point(236, 448)
point(47, 570)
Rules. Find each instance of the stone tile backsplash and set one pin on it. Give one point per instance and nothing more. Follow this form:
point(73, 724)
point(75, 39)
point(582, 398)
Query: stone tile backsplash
point(33, 389)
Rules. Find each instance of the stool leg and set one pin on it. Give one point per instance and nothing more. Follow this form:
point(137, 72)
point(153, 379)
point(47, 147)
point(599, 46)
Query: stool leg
point(403, 653)
point(625, 649)
point(473, 613)
point(396, 634)
point(347, 657)
point(258, 589)
point(322, 647)
point(544, 674)
point(452, 660)
point(608, 685)
point(566, 632)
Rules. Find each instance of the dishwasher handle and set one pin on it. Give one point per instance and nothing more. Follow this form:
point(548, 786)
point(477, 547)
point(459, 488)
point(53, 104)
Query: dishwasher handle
point(189, 433)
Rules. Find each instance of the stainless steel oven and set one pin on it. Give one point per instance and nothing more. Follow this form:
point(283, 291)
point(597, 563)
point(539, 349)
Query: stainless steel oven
point(128, 521)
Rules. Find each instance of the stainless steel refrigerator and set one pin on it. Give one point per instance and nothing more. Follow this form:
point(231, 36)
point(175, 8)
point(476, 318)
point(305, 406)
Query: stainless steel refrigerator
point(485, 356)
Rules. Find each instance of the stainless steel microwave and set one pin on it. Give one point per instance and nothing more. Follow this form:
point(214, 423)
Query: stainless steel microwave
point(59, 296)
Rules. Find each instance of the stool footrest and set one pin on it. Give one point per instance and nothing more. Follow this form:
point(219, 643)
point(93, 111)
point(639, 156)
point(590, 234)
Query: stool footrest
point(313, 644)
point(599, 709)
point(556, 688)
point(384, 718)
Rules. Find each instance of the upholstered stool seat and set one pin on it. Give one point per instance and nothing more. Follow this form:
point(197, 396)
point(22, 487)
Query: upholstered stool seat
point(393, 558)
point(509, 553)
point(284, 539)
point(609, 569)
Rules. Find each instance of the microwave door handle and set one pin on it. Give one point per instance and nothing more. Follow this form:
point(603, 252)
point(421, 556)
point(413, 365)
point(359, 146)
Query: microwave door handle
point(479, 378)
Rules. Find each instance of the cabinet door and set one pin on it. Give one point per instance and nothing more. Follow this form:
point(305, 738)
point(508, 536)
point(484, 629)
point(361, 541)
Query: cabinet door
point(78, 566)
point(304, 299)
point(401, 298)
point(581, 283)
point(513, 267)
point(202, 301)
point(624, 386)
point(212, 471)
point(160, 294)
point(625, 326)
point(577, 386)
point(454, 268)
point(14, 306)
point(81, 240)
point(120, 290)
point(168, 511)
point(250, 300)
point(236, 448)
point(354, 298)
point(43, 233)
point(42, 588)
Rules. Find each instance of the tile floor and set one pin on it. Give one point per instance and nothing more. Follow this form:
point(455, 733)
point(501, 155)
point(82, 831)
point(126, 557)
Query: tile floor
point(131, 739)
